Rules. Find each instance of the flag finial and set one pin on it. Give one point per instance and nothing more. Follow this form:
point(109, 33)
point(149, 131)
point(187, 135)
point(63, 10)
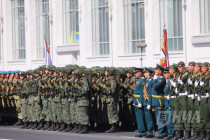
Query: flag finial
point(45, 36)
point(164, 26)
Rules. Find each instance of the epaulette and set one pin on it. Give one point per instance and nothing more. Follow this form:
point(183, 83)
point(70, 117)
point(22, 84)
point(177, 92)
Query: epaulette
point(186, 73)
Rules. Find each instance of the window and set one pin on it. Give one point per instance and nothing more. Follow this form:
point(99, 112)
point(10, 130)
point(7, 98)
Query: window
point(18, 30)
point(205, 16)
point(134, 25)
point(171, 17)
point(70, 22)
point(100, 27)
point(42, 26)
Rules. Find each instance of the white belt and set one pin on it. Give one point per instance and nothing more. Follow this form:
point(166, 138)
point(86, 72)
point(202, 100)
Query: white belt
point(204, 97)
point(191, 95)
point(183, 94)
point(173, 97)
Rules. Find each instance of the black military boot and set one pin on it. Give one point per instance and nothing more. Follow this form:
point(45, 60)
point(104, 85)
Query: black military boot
point(46, 126)
point(57, 126)
point(202, 135)
point(52, 126)
point(187, 135)
point(75, 128)
point(19, 122)
point(84, 129)
point(207, 136)
point(178, 135)
point(30, 125)
point(35, 125)
point(194, 136)
point(40, 125)
point(112, 129)
point(63, 127)
point(24, 125)
point(79, 129)
point(68, 128)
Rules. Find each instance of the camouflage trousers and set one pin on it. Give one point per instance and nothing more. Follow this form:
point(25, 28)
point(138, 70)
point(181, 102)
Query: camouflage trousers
point(56, 110)
point(82, 112)
point(36, 108)
point(73, 111)
point(65, 107)
point(113, 116)
point(1, 107)
point(24, 105)
point(45, 112)
point(17, 105)
point(30, 106)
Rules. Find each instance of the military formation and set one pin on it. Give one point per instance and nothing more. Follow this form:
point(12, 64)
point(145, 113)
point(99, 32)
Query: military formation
point(172, 101)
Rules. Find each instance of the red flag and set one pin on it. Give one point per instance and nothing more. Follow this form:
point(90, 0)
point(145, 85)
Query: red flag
point(164, 60)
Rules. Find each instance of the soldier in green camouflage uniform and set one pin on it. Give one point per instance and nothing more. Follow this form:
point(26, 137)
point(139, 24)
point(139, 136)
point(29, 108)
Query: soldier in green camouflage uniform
point(82, 97)
point(45, 115)
point(109, 86)
point(129, 85)
point(24, 99)
point(1, 98)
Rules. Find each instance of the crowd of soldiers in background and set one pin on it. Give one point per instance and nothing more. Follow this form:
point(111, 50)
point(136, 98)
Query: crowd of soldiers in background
point(76, 99)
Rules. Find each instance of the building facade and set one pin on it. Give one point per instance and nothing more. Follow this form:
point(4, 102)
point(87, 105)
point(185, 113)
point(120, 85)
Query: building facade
point(102, 32)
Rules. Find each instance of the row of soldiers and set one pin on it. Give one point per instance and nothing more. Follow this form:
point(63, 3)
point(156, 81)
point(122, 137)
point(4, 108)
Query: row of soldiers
point(69, 98)
point(73, 98)
point(178, 96)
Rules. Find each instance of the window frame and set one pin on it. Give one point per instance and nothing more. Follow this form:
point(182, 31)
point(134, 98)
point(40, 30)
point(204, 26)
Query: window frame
point(40, 47)
point(128, 40)
point(175, 27)
point(100, 48)
point(75, 19)
point(18, 27)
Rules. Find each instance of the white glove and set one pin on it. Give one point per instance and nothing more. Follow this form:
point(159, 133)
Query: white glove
point(199, 98)
point(155, 77)
point(201, 83)
point(180, 82)
point(176, 91)
point(169, 107)
point(196, 83)
point(207, 95)
point(148, 107)
point(173, 84)
point(139, 105)
point(193, 97)
point(186, 93)
point(133, 104)
point(189, 81)
point(168, 97)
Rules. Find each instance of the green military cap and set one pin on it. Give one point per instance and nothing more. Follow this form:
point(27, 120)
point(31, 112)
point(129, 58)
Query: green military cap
point(37, 71)
point(205, 64)
point(180, 64)
point(83, 67)
point(78, 71)
point(174, 66)
point(166, 70)
point(111, 71)
point(198, 64)
point(22, 73)
point(150, 70)
point(191, 63)
point(138, 69)
point(159, 67)
point(130, 70)
point(121, 71)
point(42, 68)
